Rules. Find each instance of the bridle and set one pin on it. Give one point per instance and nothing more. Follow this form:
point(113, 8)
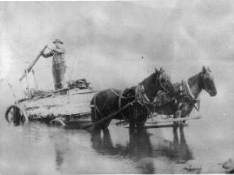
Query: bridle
point(204, 85)
point(141, 96)
point(162, 86)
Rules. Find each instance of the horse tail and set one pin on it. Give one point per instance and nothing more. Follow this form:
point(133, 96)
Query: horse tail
point(95, 112)
point(93, 106)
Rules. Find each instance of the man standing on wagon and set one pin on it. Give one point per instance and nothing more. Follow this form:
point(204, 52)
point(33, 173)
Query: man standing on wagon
point(58, 65)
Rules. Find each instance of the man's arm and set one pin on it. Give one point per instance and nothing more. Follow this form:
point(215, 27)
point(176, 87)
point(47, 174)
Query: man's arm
point(49, 54)
point(59, 50)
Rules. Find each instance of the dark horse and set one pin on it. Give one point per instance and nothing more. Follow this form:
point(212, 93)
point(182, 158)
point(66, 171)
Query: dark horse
point(189, 92)
point(141, 96)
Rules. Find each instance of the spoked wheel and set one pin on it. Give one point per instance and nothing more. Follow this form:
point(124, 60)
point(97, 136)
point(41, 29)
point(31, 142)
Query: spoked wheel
point(15, 115)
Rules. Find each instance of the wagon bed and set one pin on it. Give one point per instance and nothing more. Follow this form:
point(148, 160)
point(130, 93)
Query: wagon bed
point(68, 104)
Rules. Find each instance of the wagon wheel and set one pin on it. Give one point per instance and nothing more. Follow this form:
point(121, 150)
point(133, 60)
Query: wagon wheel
point(15, 115)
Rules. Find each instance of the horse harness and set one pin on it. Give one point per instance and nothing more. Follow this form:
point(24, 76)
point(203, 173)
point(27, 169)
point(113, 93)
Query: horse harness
point(186, 95)
point(142, 98)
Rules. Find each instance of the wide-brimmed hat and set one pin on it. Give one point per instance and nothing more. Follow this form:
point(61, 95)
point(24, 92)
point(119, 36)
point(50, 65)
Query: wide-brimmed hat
point(57, 41)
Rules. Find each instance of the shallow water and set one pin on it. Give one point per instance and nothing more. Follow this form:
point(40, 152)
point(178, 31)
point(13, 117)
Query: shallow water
point(38, 149)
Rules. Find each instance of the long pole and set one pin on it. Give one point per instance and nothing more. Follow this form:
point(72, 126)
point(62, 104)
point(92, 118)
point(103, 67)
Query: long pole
point(32, 64)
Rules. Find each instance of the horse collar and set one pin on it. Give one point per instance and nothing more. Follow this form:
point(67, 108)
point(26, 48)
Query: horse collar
point(186, 91)
point(189, 90)
point(189, 94)
point(141, 95)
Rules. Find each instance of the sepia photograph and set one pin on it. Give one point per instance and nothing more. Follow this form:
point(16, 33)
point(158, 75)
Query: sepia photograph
point(116, 87)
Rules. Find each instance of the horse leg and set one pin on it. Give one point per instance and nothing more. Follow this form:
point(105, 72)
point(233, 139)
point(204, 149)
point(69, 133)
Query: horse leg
point(96, 139)
point(132, 124)
point(107, 141)
point(96, 116)
point(131, 127)
point(175, 135)
point(177, 115)
point(141, 121)
point(106, 124)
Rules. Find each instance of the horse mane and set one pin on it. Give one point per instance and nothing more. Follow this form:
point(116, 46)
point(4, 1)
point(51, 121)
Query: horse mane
point(150, 77)
point(193, 79)
point(150, 84)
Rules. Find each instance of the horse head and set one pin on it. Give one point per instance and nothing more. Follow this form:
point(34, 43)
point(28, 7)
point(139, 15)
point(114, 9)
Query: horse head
point(207, 80)
point(164, 80)
point(147, 90)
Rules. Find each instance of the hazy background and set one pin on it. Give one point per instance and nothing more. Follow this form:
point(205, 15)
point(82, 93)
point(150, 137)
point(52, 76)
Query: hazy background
point(105, 41)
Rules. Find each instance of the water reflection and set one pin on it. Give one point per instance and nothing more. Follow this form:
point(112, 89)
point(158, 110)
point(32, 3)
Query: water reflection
point(40, 134)
point(178, 149)
point(61, 148)
point(109, 151)
point(140, 148)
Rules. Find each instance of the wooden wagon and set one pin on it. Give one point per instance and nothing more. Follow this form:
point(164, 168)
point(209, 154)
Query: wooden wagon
point(60, 107)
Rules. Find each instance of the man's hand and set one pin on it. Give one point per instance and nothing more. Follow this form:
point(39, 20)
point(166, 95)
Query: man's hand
point(42, 51)
point(50, 48)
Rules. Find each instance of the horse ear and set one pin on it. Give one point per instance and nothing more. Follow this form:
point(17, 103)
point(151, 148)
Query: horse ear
point(208, 68)
point(161, 70)
point(203, 69)
point(156, 70)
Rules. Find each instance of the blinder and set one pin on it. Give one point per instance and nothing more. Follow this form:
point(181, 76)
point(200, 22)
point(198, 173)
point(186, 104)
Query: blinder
point(163, 80)
point(165, 83)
